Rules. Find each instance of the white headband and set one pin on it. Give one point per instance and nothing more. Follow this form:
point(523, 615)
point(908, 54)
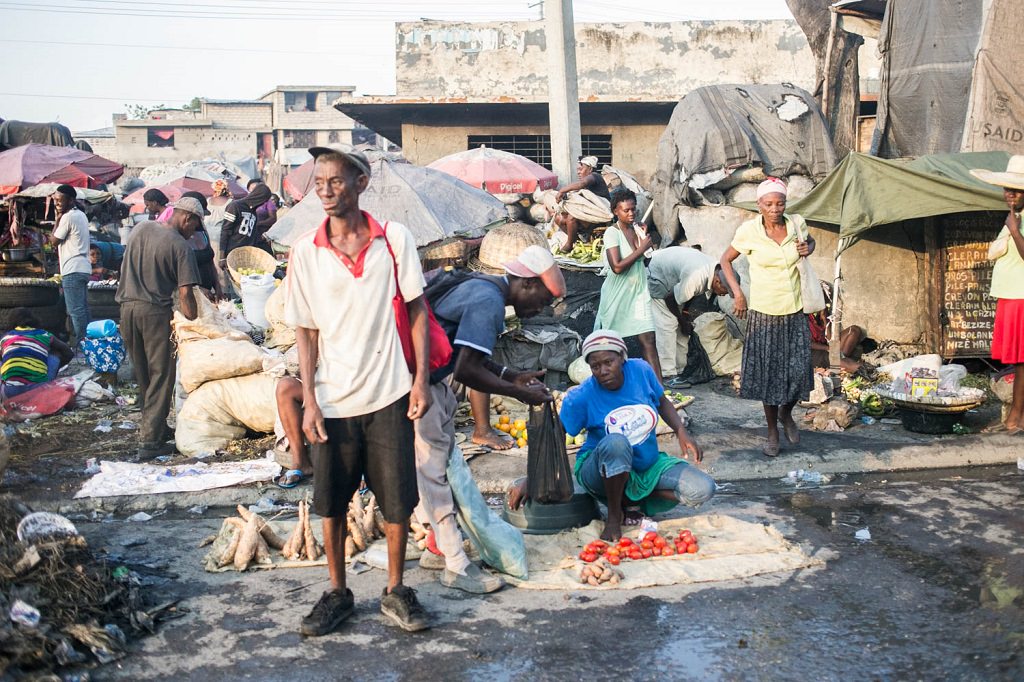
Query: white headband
point(771, 186)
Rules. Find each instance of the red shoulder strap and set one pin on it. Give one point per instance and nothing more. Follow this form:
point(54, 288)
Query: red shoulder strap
point(394, 260)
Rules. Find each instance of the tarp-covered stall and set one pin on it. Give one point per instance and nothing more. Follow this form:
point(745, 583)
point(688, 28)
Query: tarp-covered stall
point(18, 133)
point(716, 130)
point(912, 240)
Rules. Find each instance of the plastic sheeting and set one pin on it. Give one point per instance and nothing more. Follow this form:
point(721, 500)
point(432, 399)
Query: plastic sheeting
point(717, 129)
point(432, 204)
point(18, 133)
point(995, 116)
point(865, 192)
point(927, 49)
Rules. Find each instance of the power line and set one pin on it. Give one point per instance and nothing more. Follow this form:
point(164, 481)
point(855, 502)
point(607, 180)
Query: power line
point(173, 47)
point(257, 14)
point(111, 99)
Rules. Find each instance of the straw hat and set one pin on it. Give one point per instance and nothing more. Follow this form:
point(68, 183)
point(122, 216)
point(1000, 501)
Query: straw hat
point(504, 244)
point(1012, 178)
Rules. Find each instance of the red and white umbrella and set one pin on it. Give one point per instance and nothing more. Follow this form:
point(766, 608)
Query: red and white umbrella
point(496, 171)
point(175, 188)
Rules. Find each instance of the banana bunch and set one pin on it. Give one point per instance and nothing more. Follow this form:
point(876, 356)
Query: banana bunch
point(587, 253)
point(853, 387)
point(872, 404)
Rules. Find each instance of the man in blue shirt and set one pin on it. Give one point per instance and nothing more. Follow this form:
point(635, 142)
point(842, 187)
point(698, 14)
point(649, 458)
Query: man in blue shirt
point(472, 312)
point(620, 463)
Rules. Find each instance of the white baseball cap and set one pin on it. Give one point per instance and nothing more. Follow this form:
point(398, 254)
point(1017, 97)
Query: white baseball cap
point(536, 261)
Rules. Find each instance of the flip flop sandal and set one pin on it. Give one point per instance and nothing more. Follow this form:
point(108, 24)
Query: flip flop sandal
point(995, 428)
point(632, 516)
point(291, 478)
point(676, 383)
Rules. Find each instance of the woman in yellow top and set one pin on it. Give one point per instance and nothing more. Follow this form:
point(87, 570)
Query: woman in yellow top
point(1008, 286)
point(777, 349)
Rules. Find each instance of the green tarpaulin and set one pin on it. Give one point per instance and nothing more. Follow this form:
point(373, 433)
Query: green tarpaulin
point(864, 191)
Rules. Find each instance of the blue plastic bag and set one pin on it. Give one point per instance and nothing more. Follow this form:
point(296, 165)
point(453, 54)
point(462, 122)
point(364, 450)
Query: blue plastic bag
point(500, 544)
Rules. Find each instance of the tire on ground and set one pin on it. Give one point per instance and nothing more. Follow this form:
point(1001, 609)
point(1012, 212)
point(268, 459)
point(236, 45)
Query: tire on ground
point(27, 292)
point(52, 318)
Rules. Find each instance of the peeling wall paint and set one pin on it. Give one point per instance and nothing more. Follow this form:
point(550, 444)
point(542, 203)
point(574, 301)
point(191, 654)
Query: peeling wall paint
point(654, 60)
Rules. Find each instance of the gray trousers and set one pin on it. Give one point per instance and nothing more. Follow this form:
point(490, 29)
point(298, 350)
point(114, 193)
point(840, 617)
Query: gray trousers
point(435, 438)
point(146, 329)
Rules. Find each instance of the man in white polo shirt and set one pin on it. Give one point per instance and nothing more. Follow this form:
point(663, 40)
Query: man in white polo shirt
point(72, 239)
point(359, 398)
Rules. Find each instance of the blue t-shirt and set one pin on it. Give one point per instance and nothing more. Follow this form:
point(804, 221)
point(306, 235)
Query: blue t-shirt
point(473, 315)
point(632, 410)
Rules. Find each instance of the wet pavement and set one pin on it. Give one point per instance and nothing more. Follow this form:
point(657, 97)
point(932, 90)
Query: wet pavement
point(936, 593)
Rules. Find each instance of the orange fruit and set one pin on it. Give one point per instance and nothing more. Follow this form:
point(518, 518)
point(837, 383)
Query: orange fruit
point(504, 427)
point(503, 419)
point(521, 442)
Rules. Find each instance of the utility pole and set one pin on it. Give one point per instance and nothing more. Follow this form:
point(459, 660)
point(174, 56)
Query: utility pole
point(563, 89)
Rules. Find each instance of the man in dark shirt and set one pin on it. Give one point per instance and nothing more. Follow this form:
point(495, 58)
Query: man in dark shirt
point(157, 262)
point(472, 313)
point(239, 225)
point(589, 179)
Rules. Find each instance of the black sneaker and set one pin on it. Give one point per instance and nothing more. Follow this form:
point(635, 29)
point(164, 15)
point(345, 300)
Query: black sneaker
point(401, 606)
point(333, 607)
point(149, 451)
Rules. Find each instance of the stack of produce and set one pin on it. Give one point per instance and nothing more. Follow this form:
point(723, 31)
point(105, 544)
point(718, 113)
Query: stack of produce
point(651, 545)
point(599, 572)
point(365, 524)
point(243, 541)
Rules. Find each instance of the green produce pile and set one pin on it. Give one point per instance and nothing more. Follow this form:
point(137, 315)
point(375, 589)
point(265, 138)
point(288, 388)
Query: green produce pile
point(587, 253)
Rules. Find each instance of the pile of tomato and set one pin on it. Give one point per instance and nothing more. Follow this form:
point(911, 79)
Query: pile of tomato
point(651, 545)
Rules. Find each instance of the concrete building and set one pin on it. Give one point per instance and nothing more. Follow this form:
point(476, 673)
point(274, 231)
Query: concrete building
point(460, 85)
point(287, 117)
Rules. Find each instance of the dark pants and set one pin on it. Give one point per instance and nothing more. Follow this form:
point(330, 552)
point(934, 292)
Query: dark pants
point(146, 330)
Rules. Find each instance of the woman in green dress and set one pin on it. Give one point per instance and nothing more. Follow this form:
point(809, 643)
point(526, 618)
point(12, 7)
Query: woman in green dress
point(625, 300)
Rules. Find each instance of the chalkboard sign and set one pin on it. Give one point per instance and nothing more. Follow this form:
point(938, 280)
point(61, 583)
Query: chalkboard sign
point(968, 310)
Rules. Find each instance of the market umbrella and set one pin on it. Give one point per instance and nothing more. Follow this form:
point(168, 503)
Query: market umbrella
point(299, 180)
point(432, 204)
point(496, 171)
point(31, 164)
point(178, 186)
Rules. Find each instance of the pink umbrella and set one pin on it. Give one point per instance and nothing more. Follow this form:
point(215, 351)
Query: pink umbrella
point(496, 171)
point(299, 181)
point(32, 164)
point(175, 188)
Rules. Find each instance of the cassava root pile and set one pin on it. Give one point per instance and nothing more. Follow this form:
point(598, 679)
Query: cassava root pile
point(251, 539)
point(364, 523)
point(302, 545)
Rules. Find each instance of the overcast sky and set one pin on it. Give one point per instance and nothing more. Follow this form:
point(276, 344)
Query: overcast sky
point(78, 61)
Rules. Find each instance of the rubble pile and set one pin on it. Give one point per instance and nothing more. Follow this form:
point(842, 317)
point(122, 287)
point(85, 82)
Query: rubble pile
point(63, 606)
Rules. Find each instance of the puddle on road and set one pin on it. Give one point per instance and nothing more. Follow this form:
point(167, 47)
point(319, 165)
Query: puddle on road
point(689, 652)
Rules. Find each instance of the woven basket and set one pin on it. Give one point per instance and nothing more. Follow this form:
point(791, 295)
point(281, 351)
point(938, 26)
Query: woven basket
point(504, 244)
point(249, 257)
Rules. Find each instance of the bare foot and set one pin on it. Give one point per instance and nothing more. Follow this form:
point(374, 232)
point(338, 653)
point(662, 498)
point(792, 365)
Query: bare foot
point(612, 530)
point(791, 430)
point(495, 440)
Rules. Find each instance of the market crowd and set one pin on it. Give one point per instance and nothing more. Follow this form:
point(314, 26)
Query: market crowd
point(380, 344)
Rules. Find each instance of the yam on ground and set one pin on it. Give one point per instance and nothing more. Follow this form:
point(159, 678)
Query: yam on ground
point(355, 532)
point(272, 538)
point(229, 552)
point(247, 546)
